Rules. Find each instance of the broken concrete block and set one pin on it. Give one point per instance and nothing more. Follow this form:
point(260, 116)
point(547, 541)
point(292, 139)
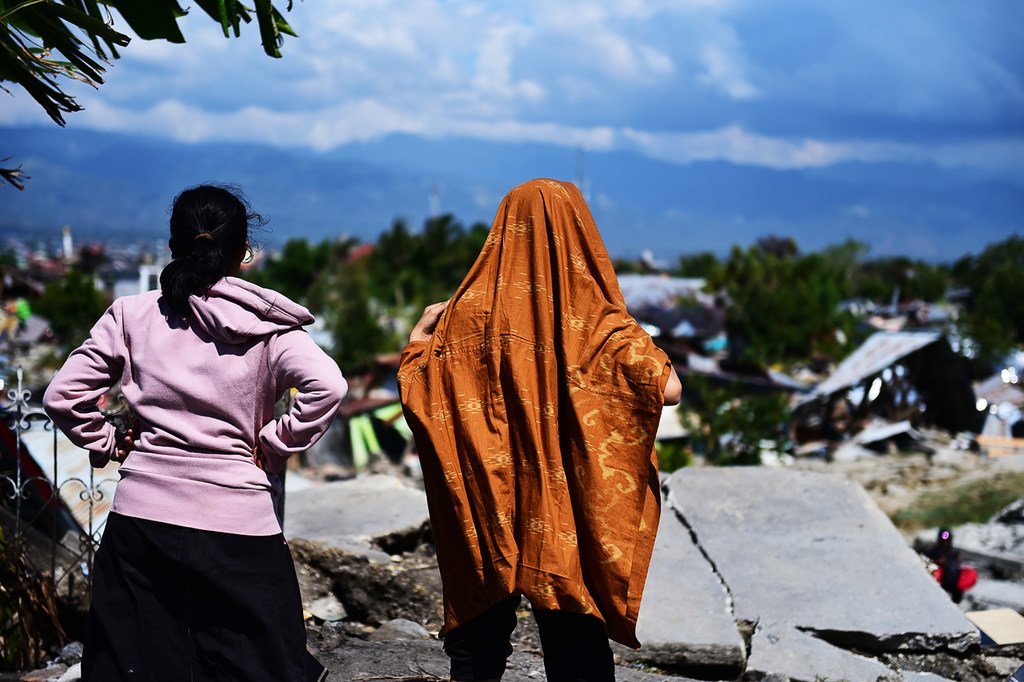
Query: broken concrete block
point(814, 552)
point(372, 516)
point(685, 618)
point(779, 651)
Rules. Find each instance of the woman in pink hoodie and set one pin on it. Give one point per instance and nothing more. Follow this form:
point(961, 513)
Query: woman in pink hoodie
point(193, 579)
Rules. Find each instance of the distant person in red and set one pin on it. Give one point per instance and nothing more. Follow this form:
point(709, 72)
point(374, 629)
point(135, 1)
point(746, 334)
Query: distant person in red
point(954, 577)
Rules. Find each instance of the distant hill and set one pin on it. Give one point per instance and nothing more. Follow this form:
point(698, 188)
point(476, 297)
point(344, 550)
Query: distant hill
point(112, 185)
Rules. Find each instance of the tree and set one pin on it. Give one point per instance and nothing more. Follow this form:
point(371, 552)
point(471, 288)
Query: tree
point(879, 279)
point(704, 265)
point(782, 308)
point(72, 304)
point(295, 270)
point(45, 41)
point(732, 425)
point(995, 317)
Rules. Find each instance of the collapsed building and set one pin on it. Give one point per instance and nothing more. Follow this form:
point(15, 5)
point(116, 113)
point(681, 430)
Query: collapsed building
point(897, 376)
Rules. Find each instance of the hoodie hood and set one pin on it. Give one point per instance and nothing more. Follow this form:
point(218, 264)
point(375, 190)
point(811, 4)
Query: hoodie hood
point(234, 311)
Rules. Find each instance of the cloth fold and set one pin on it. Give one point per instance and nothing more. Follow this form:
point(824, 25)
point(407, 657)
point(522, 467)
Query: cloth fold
point(534, 406)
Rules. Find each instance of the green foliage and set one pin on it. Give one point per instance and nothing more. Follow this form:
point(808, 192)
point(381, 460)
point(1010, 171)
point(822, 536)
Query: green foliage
point(44, 41)
point(295, 270)
point(625, 266)
point(782, 308)
point(878, 279)
point(371, 295)
point(72, 304)
point(732, 424)
point(354, 318)
point(970, 502)
point(703, 265)
point(672, 455)
point(995, 318)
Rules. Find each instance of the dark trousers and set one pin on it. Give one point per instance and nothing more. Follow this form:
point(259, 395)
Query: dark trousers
point(575, 646)
point(177, 604)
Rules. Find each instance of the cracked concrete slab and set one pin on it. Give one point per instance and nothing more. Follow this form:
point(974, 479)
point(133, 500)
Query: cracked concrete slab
point(685, 620)
point(358, 516)
point(812, 555)
point(778, 651)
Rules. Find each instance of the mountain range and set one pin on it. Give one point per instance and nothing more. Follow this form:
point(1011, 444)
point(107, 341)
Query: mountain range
point(116, 186)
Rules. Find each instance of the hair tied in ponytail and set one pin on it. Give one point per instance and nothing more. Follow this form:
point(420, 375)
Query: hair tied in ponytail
point(209, 230)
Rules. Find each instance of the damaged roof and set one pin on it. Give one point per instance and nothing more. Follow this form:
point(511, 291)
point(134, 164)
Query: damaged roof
point(657, 291)
point(881, 350)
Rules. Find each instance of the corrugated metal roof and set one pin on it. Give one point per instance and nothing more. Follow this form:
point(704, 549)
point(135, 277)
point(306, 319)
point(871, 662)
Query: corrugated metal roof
point(881, 350)
point(72, 476)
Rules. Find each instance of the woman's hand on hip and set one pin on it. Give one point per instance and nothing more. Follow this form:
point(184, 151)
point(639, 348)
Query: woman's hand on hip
point(125, 442)
point(424, 329)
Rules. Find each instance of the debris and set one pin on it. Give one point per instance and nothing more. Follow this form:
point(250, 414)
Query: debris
point(399, 628)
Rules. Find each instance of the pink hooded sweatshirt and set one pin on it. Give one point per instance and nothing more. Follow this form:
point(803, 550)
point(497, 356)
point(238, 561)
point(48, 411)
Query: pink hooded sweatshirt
point(204, 394)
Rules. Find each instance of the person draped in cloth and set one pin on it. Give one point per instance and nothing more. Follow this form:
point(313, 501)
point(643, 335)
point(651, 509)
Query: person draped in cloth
point(193, 579)
point(534, 399)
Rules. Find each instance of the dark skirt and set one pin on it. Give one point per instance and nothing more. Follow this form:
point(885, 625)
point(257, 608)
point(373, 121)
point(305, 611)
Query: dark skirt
point(176, 604)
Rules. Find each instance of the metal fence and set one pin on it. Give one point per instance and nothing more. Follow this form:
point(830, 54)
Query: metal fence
point(54, 503)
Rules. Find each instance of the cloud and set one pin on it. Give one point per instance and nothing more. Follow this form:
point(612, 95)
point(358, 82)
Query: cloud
point(723, 72)
point(793, 84)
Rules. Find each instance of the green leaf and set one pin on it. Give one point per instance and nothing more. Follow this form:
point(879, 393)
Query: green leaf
point(152, 19)
point(268, 28)
point(283, 26)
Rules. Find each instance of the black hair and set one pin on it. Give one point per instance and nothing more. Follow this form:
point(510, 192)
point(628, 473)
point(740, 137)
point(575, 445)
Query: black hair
point(210, 226)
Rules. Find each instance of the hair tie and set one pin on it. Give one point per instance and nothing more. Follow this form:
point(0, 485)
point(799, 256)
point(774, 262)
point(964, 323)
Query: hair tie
point(204, 235)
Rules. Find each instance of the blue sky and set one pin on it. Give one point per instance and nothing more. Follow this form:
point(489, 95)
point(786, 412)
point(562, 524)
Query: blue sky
point(782, 84)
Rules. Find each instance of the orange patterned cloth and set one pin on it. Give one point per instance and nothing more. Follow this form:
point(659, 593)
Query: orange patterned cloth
point(534, 407)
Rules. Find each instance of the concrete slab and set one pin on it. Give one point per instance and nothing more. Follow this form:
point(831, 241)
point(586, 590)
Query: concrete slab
point(778, 651)
point(359, 516)
point(813, 551)
point(685, 616)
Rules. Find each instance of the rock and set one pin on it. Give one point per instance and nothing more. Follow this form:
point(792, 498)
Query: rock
point(372, 516)
point(328, 609)
point(398, 629)
point(71, 653)
point(814, 563)
point(372, 592)
point(685, 618)
point(74, 674)
point(52, 672)
point(1002, 665)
